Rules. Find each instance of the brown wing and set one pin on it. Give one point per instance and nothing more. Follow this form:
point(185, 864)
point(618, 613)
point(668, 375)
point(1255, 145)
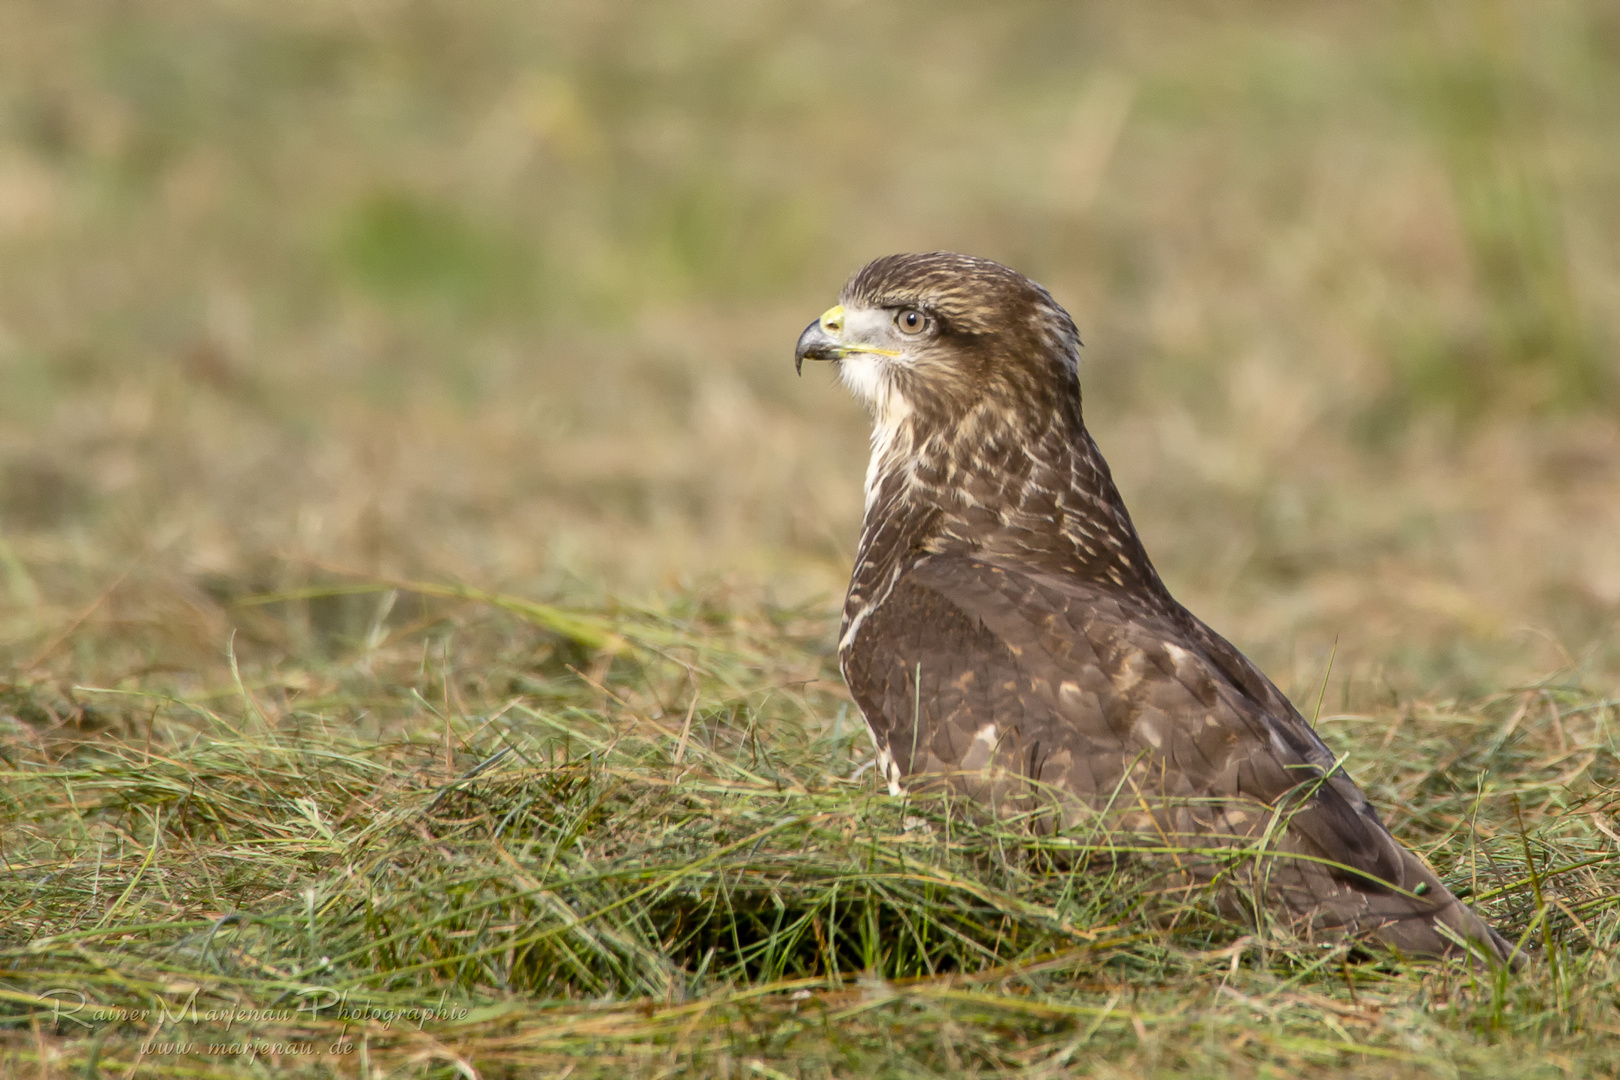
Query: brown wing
point(975, 671)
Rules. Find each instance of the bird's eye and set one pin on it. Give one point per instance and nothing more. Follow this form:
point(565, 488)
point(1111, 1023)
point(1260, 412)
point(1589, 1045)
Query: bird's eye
point(910, 321)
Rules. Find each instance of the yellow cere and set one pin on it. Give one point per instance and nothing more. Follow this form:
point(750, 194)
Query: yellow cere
point(832, 322)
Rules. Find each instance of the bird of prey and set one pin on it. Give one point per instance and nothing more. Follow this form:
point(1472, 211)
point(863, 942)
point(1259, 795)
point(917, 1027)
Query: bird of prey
point(1006, 633)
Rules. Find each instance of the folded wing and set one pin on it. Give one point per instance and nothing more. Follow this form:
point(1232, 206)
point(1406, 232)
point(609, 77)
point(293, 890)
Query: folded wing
point(1024, 687)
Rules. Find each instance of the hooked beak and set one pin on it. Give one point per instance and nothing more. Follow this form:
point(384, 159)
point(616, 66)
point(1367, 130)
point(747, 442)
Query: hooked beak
point(818, 343)
point(824, 340)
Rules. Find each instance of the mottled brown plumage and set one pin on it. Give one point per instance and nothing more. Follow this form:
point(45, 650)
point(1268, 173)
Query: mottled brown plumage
point(1006, 632)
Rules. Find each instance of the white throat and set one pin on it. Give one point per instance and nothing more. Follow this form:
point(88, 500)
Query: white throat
point(869, 379)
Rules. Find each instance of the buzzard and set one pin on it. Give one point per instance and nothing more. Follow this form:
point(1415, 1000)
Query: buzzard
point(1006, 633)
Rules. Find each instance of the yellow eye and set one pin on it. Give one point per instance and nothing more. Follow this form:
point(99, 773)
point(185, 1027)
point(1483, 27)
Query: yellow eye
point(910, 321)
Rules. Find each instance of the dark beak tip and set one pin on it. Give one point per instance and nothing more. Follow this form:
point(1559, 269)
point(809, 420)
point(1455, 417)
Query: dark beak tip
point(813, 345)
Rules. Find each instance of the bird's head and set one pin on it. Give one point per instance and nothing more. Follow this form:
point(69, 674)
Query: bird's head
point(942, 333)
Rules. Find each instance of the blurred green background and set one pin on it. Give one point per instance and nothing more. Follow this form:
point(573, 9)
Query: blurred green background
point(507, 293)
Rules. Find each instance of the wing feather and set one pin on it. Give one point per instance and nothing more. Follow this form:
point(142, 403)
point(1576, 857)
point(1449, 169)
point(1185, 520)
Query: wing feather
point(996, 676)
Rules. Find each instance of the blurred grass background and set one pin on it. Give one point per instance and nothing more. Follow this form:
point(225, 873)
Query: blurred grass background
point(506, 293)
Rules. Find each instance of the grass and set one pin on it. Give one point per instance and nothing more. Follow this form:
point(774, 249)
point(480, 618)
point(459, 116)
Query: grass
point(387, 386)
point(636, 842)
